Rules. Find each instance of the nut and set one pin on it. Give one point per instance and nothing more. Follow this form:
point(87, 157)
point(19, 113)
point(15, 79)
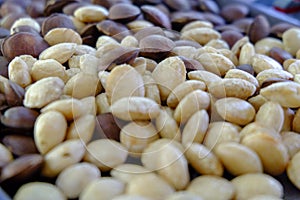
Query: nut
point(18, 72)
point(91, 13)
point(123, 12)
point(62, 35)
point(290, 40)
point(201, 35)
point(20, 144)
point(126, 172)
point(273, 73)
point(293, 171)
point(6, 156)
point(167, 126)
point(291, 142)
point(259, 28)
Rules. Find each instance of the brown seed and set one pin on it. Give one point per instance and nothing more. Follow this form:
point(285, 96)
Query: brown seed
point(272, 80)
point(114, 29)
point(148, 31)
point(109, 3)
point(10, 7)
point(124, 12)
point(259, 28)
point(21, 169)
point(179, 19)
point(56, 6)
point(231, 37)
point(25, 28)
point(156, 16)
point(20, 144)
point(209, 6)
point(23, 43)
point(19, 117)
point(108, 126)
point(216, 20)
point(243, 24)
point(70, 8)
point(8, 20)
point(233, 12)
point(14, 94)
point(279, 28)
point(57, 20)
point(178, 4)
point(246, 68)
point(279, 54)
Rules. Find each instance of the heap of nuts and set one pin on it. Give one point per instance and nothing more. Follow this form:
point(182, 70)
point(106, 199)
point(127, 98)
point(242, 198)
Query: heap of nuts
point(146, 100)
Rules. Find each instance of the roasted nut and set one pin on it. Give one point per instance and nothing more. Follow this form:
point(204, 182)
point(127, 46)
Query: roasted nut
point(123, 12)
point(20, 144)
point(238, 159)
point(37, 190)
point(22, 169)
point(234, 12)
point(231, 37)
point(62, 156)
point(72, 180)
point(279, 54)
point(250, 185)
point(105, 153)
point(203, 160)
point(259, 28)
point(43, 92)
point(213, 187)
point(156, 16)
point(103, 188)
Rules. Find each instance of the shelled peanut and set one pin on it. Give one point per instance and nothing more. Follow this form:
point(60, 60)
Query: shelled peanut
point(186, 90)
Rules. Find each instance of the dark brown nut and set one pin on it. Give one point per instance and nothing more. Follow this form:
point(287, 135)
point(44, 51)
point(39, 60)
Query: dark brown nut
point(179, 43)
point(36, 9)
point(246, 68)
point(28, 29)
point(4, 32)
point(114, 29)
point(231, 37)
point(109, 3)
point(280, 55)
point(56, 6)
point(90, 34)
point(234, 12)
point(23, 43)
point(209, 6)
point(8, 20)
point(57, 20)
point(191, 64)
point(243, 24)
point(20, 144)
point(156, 16)
point(155, 46)
point(148, 31)
point(214, 19)
point(179, 19)
point(123, 12)
point(108, 126)
point(10, 7)
point(14, 94)
point(21, 169)
point(3, 66)
point(279, 28)
point(259, 28)
point(178, 4)
point(19, 117)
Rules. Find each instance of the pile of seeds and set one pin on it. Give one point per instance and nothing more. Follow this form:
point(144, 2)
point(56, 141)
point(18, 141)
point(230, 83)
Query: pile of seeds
point(146, 100)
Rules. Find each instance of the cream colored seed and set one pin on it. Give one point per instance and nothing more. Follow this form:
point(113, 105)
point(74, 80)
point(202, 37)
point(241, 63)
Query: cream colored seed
point(221, 132)
point(151, 88)
point(18, 72)
point(126, 172)
point(135, 108)
point(250, 185)
point(262, 62)
point(232, 87)
point(185, 51)
point(124, 81)
point(212, 187)
point(89, 103)
point(203, 160)
point(273, 73)
point(102, 104)
point(182, 90)
point(105, 153)
point(238, 159)
point(43, 92)
point(82, 128)
point(264, 45)
point(29, 60)
point(247, 52)
point(272, 152)
point(149, 185)
point(60, 52)
point(102, 189)
point(292, 170)
point(236, 49)
point(173, 167)
point(254, 128)
point(201, 35)
point(271, 116)
point(236, 73)
point(190, 104)
point(130, 41)
point(296, 120)
point(288, 62)
point(63, 155)
point(229, 54)
point(235, 110)
point(62, 35)
point(167, 126)
point(130, 197)
point(74, 62)
point(291, 40)
point(47, 136)
point(215, 63)
point(72, 180)
point(204, 76)
point(257, 101)
point(288, 119)
point(39, 190)
point(92, 13)
point(102, 75)
point(89, 64)
point(218, 44)
point(195, 128)
point(196, 24)
point(294, 68)
point(48, 68)
point(135, 136)
point(265, 197)
point(291, 140)
point(5, 155)
point(85, 49)
point(70, 108)
point(138, 25)
point(82, 85)
point(168, 74)
point(287, 94)
point(183, 195)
